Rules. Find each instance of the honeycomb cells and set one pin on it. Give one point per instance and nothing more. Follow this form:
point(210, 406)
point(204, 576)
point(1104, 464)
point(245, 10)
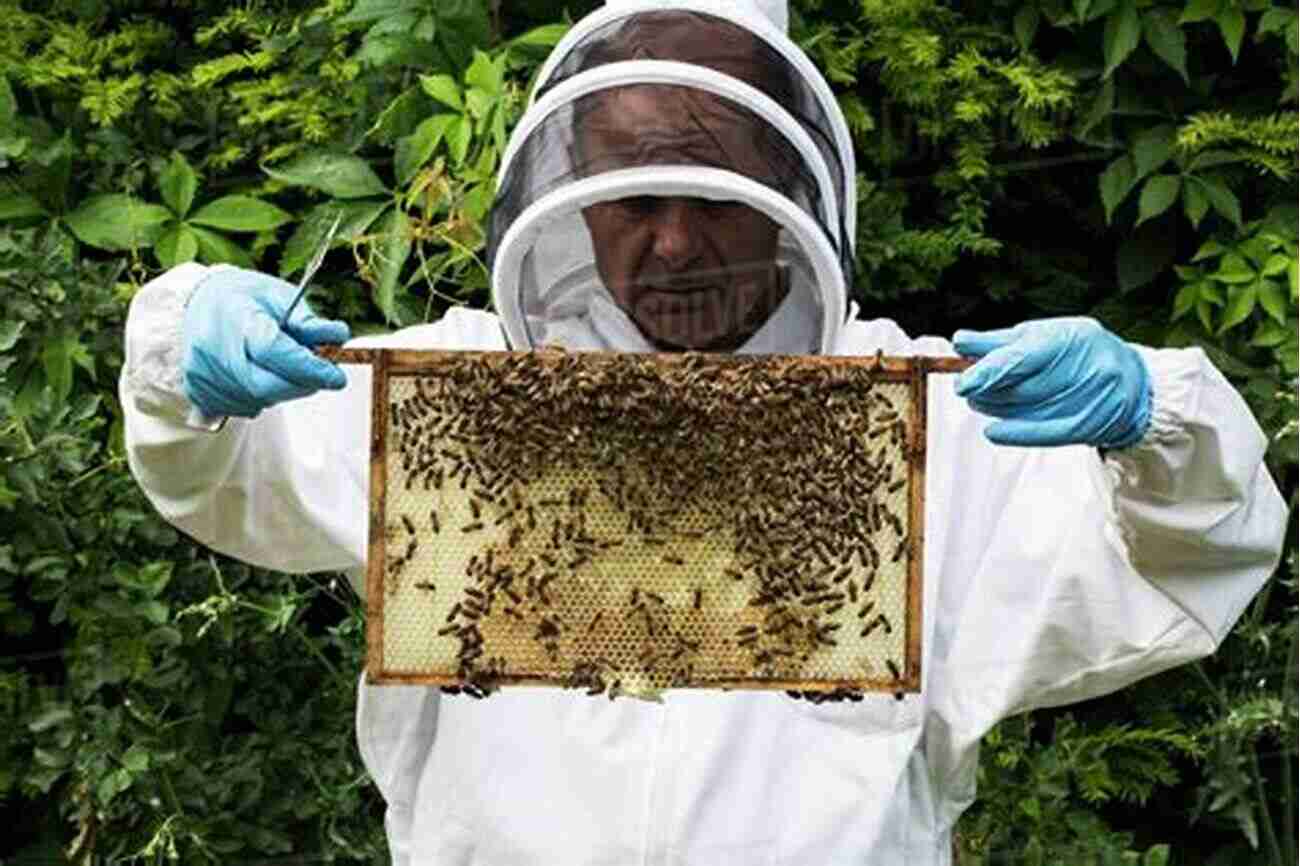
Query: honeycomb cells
point(627, 524)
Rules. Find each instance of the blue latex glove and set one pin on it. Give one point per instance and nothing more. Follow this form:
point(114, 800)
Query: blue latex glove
point(237, 359)
point(1056, 382)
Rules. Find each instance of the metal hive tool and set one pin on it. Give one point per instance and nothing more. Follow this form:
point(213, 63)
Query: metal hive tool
point(631, 523)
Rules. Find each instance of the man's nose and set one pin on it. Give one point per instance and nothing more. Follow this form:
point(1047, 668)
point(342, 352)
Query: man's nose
point(677, 232)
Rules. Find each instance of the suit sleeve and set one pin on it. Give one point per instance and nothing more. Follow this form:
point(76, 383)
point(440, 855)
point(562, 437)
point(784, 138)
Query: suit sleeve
point(1062, 575)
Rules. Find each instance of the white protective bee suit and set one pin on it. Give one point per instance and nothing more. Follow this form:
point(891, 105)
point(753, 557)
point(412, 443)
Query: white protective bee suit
point(1052, 575)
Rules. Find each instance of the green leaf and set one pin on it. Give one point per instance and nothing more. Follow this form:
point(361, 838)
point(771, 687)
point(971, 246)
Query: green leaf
point(1195, 204)
point(176, 245)
point(1033, 853)
point(1257, 249)
point(1232, 24)
point(414, 150)
point(1205, 313)
point(215, 248)
point(1121, 35)
point(498, 133)
point(478, 201)
point(478, 103)
point(1241, 303)
point(1116, 181)
point(117, 222)
point(8, 105)
point(459, 133)
point(9, 334)
point(402, 22)
point(340, 175)
point(1081, 10)
point(373, 10)
point(136, 759)
point(1273, 299)
point(1166, 39)
point(1269, 334)
point(1152, 149)
point(1209, 249)
point(392, 248)
point(150, 579)
point(111, 785)
point(485, 74)
point(1158, 193)
point(20, 205)
point(1222, 199)
point(1293, 277)
point(178, 184)
point(444, 89)
point(1101, 107)
point(51, 716)
point(1211, 158)
point(1186, 299)
point(546, 36)
point(1275, 19)
point(1234, 269)
point(240, 213)
point(57, 359)
point(1025, 25)
point(357, 217)
point(1157, 855)
point(51, 757)
point(1200, 10)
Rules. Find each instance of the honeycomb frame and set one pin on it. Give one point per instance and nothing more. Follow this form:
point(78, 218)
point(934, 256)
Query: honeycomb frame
point(697, 611)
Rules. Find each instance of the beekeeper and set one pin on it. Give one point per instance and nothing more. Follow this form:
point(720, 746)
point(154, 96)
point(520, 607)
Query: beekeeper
point(685, 180)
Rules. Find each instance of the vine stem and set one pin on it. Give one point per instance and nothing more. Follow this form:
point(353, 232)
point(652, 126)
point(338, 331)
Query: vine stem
point(1275, 850)
point(85, 476)
point(169, 792)
point(1288, 781)
point(297, 630)
point(1270, 835)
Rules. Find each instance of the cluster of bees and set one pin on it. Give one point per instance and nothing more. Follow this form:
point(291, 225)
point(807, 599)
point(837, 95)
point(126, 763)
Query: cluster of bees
point(641, 523)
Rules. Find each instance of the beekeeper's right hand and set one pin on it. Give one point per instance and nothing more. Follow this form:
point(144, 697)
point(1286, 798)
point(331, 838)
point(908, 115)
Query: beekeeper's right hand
point(238, 360)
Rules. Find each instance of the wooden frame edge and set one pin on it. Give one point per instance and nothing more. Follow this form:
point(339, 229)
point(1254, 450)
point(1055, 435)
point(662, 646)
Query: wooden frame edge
point(376, 553)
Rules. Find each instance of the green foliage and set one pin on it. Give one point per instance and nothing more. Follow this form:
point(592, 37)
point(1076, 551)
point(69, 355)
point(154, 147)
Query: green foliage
point(1134, 161)
point(179, 685)
point(1037, 800)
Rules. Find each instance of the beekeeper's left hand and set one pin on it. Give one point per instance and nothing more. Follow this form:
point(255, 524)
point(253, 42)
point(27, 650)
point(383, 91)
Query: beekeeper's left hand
point(1056, 382)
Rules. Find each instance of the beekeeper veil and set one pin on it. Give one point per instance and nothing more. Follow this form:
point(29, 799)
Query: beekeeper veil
point(683, 179)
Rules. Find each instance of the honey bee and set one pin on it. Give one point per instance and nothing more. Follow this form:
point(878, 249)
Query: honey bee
point(898, 551)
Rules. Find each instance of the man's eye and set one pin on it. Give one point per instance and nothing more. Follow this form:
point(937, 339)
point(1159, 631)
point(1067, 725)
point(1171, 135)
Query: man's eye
point(720, 208)
point(638, 205)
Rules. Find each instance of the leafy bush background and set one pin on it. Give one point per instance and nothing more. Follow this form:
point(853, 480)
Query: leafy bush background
point(1134, 161)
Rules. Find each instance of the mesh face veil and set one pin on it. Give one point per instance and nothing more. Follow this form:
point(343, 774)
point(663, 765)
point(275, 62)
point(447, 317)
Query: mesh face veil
point(677, 184)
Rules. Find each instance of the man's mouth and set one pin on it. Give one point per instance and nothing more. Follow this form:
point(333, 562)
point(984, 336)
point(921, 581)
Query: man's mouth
point(679, 299)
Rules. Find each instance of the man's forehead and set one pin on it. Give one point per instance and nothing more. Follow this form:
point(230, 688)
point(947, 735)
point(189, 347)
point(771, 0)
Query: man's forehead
point(655, 124)
point(661, 109)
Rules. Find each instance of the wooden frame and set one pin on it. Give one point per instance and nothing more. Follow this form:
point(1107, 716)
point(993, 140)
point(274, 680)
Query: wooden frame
point(386, 365)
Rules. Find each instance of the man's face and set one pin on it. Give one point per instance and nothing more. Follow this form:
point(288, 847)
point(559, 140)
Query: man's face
point(692, 273)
